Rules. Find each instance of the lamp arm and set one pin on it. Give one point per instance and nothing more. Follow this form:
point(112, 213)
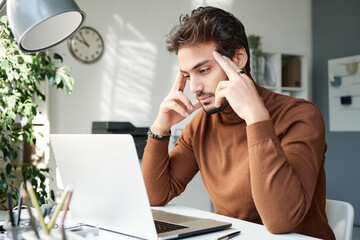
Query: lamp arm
point(2, 4)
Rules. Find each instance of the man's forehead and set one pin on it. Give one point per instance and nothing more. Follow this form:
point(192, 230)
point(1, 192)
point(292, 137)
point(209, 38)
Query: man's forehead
point(206, 47)
point(196, 55)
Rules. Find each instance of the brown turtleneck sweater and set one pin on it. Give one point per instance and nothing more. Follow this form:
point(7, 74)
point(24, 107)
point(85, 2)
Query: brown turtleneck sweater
point(270, 172)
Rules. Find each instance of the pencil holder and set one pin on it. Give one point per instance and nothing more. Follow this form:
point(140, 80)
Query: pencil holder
point(16, 232)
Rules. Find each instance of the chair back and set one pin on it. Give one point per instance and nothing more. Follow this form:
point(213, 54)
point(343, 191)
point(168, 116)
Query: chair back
point(340, 216)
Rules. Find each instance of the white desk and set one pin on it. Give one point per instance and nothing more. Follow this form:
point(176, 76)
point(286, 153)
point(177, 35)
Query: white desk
point(248, 230)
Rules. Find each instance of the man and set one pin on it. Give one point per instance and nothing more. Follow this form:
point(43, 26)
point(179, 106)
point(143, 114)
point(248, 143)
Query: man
point(261, 154)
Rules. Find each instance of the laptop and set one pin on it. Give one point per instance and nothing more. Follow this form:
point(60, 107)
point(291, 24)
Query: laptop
point(109, 191)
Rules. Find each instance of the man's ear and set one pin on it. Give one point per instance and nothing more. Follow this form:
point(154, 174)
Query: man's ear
point(240, 58)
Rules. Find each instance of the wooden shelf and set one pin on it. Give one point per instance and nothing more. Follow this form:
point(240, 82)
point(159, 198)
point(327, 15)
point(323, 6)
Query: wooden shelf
point(283, 73)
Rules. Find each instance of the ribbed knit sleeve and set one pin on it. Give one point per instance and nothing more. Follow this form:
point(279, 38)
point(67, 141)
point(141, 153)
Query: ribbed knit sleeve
point(284, 171)
point(166, 176)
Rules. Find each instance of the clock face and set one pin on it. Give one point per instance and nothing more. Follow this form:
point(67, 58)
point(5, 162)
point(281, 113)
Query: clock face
point(86, 45)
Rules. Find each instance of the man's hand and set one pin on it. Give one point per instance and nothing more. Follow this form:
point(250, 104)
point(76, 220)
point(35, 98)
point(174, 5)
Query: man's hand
point(174, 108)
point(240, 92)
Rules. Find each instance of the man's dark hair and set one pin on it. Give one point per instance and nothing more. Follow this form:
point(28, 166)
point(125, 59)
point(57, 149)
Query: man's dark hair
point(207, 24)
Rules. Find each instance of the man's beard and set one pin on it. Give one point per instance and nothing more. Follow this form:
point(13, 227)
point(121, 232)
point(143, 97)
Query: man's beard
point(213, 109)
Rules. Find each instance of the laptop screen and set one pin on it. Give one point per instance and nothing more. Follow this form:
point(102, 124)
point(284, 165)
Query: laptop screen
point(109, 190)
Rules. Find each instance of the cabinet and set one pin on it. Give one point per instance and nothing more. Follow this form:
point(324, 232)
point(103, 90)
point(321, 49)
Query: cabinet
point(283, 73)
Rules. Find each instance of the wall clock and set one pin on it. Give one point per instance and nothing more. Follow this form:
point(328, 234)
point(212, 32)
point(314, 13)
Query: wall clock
point(86, 45)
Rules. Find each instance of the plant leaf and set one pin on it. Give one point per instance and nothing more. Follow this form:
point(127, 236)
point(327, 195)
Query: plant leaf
point(57, 78)
point(4, 64)
point(8, 168)
point(58, 57)
point(24, 121)
point(27, 58)
point(12, 101)
point(4, 19)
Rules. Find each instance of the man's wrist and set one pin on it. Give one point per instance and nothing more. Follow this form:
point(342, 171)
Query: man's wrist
point(159, 130)
point(159, 136)
point(257, 116)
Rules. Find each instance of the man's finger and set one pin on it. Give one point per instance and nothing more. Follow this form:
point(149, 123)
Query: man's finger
point(180, 82)
point(220, 92)
point(221, 85)
point(180, 96)
point(230, 68)
point(196, 105)
point(220, 95)
point(179, 108)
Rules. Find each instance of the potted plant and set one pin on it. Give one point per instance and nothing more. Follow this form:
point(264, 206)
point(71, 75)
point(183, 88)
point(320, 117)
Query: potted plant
point(254, 42)
point(21, 75)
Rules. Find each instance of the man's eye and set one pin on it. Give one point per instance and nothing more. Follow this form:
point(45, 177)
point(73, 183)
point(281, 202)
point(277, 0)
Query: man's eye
point(204, 70)
point(187, 77)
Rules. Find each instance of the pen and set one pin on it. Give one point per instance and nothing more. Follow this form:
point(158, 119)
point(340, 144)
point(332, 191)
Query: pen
point(32, 220)
point(10, 205)
point(51, 224)
point(65, 210)
point(19, 204)
point(63, 233)
point(35, 204)
point(231, 235)
point(66, 207)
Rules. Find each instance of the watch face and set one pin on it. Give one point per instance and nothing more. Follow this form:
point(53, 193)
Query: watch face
point(86, 45)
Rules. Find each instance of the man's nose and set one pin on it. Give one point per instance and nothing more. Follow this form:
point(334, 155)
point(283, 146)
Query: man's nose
point(196, 85)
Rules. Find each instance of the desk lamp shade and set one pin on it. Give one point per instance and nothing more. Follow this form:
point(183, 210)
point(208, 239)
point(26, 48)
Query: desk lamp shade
point(41, 24)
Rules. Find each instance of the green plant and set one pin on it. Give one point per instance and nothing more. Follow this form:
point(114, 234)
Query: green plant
point(254, 42)
point(20, 77)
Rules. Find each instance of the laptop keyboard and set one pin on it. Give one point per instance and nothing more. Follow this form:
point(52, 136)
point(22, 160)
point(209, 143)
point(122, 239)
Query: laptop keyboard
point(162, 227)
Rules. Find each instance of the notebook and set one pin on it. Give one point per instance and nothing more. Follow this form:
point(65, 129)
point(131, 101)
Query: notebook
point(109, 191)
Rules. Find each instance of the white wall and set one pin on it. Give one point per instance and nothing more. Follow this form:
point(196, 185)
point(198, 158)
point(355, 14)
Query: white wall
point(136, 72)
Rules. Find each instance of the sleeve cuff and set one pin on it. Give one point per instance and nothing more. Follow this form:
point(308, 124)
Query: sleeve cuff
point(259, 132)
point(155, 146)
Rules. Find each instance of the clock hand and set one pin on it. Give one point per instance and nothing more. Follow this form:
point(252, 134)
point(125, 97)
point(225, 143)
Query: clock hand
point(85, 43)
point(83, 40)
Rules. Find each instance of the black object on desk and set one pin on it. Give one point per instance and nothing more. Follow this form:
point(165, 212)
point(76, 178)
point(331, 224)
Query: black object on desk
point(18, 217)
point(139, 133)
point(231, 235)
point(10, 206)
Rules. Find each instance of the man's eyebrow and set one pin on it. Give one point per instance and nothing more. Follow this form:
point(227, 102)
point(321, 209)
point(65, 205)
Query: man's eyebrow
point(197, 65)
